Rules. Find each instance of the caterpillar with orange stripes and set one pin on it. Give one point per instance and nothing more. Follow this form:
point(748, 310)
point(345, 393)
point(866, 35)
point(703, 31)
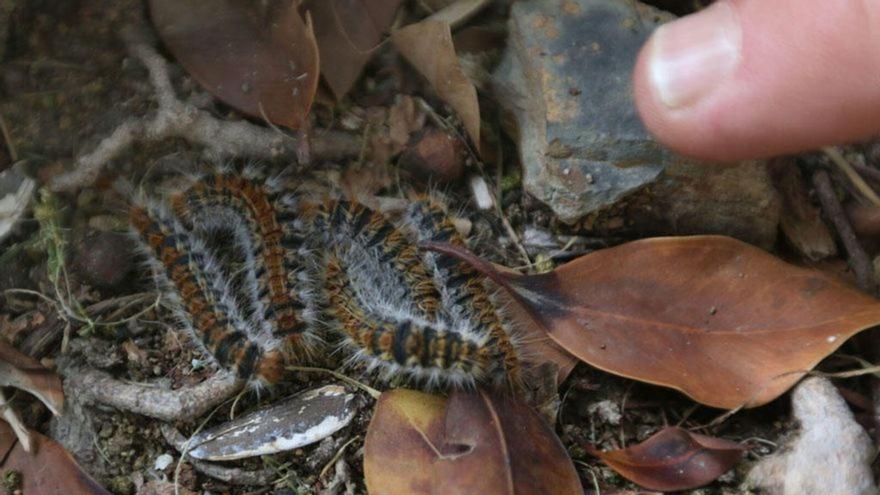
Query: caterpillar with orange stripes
point(299, 278)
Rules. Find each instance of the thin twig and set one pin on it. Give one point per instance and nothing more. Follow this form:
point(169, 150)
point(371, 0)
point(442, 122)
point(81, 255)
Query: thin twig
point(854, 177)
point(869, 172)
point(168, 405)
point(336, 457)
point(861, 263)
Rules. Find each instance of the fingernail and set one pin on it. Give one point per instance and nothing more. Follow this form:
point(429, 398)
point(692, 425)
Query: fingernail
point(690, 57)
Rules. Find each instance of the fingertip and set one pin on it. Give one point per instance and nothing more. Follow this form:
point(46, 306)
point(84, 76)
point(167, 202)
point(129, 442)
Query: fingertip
point(785, 92)
point(676, 131)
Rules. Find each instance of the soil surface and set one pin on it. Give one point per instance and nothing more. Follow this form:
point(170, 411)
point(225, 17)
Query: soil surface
point(66, 82)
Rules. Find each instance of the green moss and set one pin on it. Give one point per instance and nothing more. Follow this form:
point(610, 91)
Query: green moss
point(11, 481)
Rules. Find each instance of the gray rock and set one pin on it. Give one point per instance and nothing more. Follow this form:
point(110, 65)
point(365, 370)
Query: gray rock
point(566, 77)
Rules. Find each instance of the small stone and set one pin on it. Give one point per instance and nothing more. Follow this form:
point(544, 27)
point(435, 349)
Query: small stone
point(102, 259)
point(607, 411)
point(106, 431)
point(162, 462)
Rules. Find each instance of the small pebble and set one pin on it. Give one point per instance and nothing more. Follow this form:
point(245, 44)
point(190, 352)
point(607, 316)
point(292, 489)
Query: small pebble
point(102, 259)
point(162, 462)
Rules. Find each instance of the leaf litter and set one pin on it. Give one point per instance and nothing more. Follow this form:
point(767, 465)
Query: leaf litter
point(619, 295)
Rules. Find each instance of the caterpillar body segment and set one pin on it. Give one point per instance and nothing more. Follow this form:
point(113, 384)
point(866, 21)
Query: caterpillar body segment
point(263, 224)
point(401, 344)
point(462, 289)
point(201, 296)
point(373, 246)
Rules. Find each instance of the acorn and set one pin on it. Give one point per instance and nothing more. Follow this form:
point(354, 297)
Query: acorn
point(436, 156)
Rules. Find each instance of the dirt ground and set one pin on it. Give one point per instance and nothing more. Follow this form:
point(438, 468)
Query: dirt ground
point(66, 82)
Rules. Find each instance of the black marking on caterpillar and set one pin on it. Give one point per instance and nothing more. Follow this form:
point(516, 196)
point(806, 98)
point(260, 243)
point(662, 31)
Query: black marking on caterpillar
point(401, 343)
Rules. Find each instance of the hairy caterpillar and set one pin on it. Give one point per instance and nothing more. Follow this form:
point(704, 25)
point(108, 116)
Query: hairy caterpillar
point(201, 295)
point(337, 271)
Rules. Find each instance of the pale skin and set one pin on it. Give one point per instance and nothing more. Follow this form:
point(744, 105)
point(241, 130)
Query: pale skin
point(757, 78)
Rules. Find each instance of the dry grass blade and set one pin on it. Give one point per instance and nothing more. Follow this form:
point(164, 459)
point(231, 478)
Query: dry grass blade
point(852, 175)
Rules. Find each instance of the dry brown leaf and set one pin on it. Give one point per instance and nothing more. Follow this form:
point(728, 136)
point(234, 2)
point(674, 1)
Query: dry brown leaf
point(348, 33)
point(24, 372)
point(260, 58)
point(471, 443)
point(722, 321)
point(427, 45)
point(534, 340)
point(673, 459)
point(49, 470)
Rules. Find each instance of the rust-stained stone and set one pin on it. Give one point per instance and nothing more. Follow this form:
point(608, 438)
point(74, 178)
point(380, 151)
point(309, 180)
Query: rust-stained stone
point(567, 74)
point(566, 77)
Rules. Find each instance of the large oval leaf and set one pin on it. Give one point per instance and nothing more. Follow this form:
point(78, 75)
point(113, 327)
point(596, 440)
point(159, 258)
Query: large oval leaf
point(724, 322)
point(474, 442)
point(258, 57)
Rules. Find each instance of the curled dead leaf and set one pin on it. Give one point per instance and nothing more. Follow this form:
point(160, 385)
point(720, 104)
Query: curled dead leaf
point(474, 442)
point(348, 33)
point(24, 372)
point(673, 459)
point(428, 46)
point(258, 57)
point(722, 321)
